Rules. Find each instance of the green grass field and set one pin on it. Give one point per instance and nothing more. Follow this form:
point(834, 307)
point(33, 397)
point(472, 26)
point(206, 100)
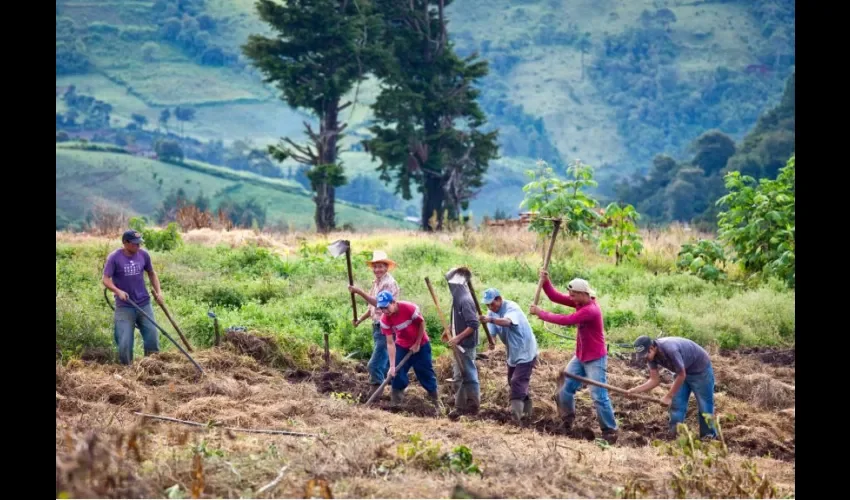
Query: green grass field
point(295, 290)
point(86, 177)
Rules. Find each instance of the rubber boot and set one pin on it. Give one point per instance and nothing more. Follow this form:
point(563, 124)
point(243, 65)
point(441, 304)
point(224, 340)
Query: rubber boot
point(567, 414)
point(516, 410)
point(434, 397)
point(396, 397)
point(460, 400)
point(610, 435)
point(474, 402)
point(527, 408)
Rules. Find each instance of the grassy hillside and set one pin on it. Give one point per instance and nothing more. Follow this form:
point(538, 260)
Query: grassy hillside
point(84, 178)
point(612, 82)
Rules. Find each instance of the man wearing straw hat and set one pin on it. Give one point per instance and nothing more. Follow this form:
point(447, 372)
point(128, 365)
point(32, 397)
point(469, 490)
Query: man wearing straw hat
point(591, 357)
point(381, 266)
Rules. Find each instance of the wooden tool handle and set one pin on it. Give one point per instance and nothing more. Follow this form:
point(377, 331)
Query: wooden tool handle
point(437, 304)
point(546, 261)
point(619, 390)
point(351, 282)
point(480, 312)
point(380, 388)
point(174, 324)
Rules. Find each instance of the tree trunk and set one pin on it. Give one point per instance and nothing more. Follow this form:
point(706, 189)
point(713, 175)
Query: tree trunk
point(326, 146)
point(432, 200)
point(325, 217)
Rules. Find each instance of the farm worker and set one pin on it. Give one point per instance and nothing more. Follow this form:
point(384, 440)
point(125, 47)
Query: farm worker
point(122, 274)
point(506, 320)
point(591, 356)
point(405, 321)
point(381, 266)
point(465, 324)
point(694, 373)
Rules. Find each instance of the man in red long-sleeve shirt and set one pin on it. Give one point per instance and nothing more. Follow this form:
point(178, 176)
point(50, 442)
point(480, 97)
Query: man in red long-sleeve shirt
point(591, 357)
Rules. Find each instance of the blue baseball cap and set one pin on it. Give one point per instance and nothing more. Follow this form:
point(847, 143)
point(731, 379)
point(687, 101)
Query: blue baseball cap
point(132, 237)
point(384, 299)
point(490, 295)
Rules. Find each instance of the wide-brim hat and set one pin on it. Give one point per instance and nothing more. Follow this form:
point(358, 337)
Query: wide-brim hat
point(381, 257)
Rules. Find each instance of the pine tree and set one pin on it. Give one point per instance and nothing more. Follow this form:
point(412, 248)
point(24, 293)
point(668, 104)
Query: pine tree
point(319, 51)
point(428, 123)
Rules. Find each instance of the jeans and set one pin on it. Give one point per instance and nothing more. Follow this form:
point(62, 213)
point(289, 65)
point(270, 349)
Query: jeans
point(379, 363)
point(126, 320)
point(702, 385)
point(422, 367)
point(596, 370)
point(469, 388)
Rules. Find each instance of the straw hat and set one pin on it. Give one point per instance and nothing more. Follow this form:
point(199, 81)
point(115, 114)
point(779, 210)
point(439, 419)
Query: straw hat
point(379, 256)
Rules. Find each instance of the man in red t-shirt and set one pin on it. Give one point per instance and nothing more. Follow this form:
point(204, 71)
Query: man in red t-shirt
point(405, 320)
point(591, 357)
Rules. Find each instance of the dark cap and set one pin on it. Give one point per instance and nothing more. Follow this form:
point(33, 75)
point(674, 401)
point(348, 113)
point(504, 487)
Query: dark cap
point(131, 236)
point(642, 345)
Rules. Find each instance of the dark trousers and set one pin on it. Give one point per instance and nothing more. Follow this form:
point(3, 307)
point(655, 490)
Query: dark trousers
point(422, 367)
point(519, 377)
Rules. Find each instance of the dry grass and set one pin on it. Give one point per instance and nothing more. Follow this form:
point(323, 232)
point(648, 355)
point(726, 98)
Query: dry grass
point(357, 451)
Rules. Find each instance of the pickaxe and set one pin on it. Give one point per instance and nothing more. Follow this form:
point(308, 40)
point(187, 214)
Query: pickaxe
point(336, 249)
point(612, 388)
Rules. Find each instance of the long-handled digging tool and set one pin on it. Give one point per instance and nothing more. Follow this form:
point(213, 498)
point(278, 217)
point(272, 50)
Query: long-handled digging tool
point(557, 226)
point(336, 249)
point(446, 329)
point(380, 389)
point(614, 389)
point(179, 347)
point(174, 324)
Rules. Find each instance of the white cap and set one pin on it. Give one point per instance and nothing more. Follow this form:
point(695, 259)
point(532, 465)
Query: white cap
point(580, 285)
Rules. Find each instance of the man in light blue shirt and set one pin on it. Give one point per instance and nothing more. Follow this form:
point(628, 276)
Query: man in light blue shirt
point(507, 321)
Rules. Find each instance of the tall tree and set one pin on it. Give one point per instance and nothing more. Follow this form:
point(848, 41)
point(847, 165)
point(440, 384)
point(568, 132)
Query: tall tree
point(184, 115)
point(428, 121)
point(320, 50)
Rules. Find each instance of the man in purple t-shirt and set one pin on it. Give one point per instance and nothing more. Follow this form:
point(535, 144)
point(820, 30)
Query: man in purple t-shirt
point(694, 373)
point(123, 275)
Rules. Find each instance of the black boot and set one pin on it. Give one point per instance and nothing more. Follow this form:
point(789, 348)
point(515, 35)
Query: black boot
point(434, 397)
point(527, 408)
point(516, 410)
point(396, 397)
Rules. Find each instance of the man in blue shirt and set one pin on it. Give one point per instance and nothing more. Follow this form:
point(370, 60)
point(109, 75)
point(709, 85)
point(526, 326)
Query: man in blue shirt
point(506, 320)
point(694, 373)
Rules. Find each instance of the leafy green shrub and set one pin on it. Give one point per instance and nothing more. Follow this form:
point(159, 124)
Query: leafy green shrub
point(160, 240)
point(461, 460)
point(620, 238)
point(731, 338)
point(617, 319)
point(759, 222)
point(550, 197)
point(426, 455)
point(222, 296)
point(703, 259)
point(254, 261)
